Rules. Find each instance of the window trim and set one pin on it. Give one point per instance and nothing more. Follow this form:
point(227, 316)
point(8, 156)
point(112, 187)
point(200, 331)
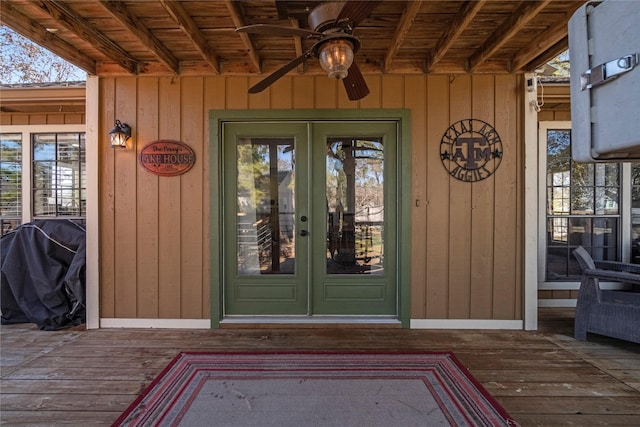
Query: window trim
point(27, 152)
point(624, 239)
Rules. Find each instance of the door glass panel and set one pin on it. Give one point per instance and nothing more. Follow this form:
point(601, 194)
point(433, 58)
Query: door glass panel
point(265, 206)
point(355, 205)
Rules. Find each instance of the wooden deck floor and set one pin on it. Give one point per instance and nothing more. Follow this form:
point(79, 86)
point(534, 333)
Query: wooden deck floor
point(544, 378)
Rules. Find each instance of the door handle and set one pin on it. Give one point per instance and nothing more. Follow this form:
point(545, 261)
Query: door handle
point(304, 233)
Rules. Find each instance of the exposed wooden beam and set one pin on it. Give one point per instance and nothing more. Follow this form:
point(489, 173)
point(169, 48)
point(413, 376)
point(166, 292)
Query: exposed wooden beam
point(23, 25)
point(297, 41)
point(539, 45)
point(118, 10)
point(83, 29)
point(509, 28)
point(406, 21)
point(238, 21)
point(548, 54)
point(457, 26)
point(192, 31)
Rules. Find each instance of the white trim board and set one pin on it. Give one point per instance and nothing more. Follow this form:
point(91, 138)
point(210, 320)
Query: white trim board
point(155, 323)
point(466, 324)
point(574, 286)
point(92, 143)
point(530, 214)
point(206, 323)
point(560, 302)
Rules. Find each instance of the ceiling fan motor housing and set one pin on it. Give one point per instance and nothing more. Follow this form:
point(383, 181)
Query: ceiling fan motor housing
point(323, 16)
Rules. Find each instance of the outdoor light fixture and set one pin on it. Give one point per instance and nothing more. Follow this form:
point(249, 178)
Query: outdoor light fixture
point(119, 135)
point(336, 56)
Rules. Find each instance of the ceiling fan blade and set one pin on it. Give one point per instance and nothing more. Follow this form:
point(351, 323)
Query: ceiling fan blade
point(355, 84)
point(357, 10)
point(277, 30)
point(271, 78)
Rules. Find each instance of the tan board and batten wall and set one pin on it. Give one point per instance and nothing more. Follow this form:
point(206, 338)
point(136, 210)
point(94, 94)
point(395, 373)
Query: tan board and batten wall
point(154, 231)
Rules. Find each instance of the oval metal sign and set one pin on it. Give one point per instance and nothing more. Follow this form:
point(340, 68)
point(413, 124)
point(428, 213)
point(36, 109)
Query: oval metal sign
point(167, 158)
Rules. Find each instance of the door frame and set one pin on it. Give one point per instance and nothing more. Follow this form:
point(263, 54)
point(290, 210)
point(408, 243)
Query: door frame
point(217, 194)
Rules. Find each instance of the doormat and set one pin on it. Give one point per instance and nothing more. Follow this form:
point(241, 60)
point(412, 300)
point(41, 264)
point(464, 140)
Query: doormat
point(312, 389)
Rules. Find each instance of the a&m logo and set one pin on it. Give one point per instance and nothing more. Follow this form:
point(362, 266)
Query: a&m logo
point(471, 150)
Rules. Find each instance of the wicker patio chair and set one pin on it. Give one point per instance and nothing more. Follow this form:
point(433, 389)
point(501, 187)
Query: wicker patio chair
point(614, 313)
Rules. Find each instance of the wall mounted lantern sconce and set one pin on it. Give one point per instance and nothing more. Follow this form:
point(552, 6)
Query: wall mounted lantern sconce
point(119, 135)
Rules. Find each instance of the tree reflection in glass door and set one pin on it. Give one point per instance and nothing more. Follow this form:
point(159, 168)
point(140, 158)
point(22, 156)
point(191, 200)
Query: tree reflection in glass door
point(265, 206)
point(355, 205)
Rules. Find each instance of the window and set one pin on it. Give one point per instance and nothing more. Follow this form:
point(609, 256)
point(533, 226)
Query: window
point(595, 205)
point(43, 174)
point(635, 213)
point(582, 208)
point(58, 175)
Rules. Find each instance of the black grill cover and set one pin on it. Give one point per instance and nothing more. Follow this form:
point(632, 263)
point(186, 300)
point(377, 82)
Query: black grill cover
point(43, 274)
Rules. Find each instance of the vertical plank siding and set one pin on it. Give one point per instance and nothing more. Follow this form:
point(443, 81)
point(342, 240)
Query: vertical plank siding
point(460, 210)
point(415, 93)
point(436, 240)
point(170, 203)
point(107, 182)
point(125, 204)
point(482, 211)
point(147, 236)
point(466, 237)
point(192, 221)
point(507, 204)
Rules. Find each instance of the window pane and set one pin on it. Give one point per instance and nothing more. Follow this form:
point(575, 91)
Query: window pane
point(68, 148)
point(580, 232)
point(582, 173)
point(43, 203)
point(607, 174)
point(10, 181)
point(557, 231)
point(582, 200)
point(607, 200)
point(558, 200)
point(6, 225)
point(44, 147)
point(44, 175)
point(558, 143)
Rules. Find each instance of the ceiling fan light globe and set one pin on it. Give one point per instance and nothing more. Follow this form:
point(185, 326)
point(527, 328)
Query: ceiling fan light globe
point(336, 56)
point(338, 73)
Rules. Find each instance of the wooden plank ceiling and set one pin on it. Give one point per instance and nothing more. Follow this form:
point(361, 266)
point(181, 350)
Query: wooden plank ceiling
point(197, 37)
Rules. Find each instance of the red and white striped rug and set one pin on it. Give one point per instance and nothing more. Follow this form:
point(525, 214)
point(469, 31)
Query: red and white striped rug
point(315, 389)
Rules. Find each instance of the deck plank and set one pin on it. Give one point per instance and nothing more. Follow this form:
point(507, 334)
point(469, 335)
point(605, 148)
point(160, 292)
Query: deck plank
point(543, 378)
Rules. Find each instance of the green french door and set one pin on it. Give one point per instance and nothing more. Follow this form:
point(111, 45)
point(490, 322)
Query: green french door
point(309, 218)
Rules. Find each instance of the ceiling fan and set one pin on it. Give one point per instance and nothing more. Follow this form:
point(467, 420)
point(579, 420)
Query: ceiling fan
point(333, 24)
